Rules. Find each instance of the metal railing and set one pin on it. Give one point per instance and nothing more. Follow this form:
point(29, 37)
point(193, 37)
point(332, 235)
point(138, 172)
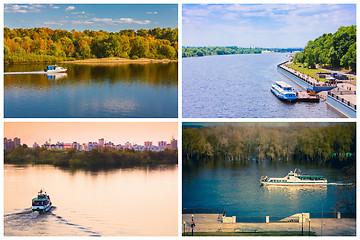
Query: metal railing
point(203, 211)
point(338, 96)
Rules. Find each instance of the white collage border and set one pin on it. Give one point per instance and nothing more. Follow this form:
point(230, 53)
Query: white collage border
point(179, 120)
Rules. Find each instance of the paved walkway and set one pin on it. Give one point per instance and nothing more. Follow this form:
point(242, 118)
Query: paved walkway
point(346, 90)
point(337, 71)
point(330, 226)
point(302, 75)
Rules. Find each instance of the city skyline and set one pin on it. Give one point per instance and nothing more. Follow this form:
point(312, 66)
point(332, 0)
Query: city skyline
point(262, 25)
point(84, 132)
point(107, 17)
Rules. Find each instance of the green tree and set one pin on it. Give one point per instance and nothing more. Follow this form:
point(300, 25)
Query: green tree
point(349, 59)
point(310, 60)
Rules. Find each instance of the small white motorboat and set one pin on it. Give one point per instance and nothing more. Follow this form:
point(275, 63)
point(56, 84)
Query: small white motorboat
point(54, 69)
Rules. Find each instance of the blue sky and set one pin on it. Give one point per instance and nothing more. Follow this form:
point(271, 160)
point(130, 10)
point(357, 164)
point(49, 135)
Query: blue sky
point(107, 17)
point(262, 25)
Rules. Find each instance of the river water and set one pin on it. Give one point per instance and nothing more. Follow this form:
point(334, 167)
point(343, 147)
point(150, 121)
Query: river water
point(236, 188)
point(238, 86)
point(87, 91)
point(122, 202)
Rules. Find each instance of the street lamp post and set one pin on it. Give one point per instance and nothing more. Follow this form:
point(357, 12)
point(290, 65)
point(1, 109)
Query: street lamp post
point(192, 225)
point(184, 227)
point(309, 226)
point(302, 224)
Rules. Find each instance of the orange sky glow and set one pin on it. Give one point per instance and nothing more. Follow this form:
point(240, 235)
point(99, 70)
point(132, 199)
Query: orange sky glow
point(84, 132)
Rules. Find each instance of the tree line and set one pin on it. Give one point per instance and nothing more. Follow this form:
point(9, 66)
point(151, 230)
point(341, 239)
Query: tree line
point(49, 45)
point(90, 160)
point(207, 51)
point(333, 144)
point(336, 50)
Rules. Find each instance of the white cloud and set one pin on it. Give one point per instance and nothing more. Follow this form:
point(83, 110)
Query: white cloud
point(53, 23)
point(78, 13)
point(130, 20)
point(101, 21)
point(197, 12)
point(283, 24)
point(70, 8)
point(11, 8)
point(151, 12)
point(80, 22)
point(119, 21)
point(54, 7)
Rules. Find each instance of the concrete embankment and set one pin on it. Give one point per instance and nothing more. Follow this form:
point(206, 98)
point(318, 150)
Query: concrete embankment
point(304, 80)
point(342, 96)
point(326, 227)
point(343, 103)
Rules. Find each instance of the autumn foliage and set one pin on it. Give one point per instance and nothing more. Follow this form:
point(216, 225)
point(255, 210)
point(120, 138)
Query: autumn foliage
point(49, 45)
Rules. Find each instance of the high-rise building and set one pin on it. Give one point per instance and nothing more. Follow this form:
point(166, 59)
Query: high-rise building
point(101, 143)
point(128, 145)
point(109, 145)
point(76, 145)
point(17, 142)
point(5, 143)
point(92, 145)
point(9, 143)
point(148, 144)
point(173, 144)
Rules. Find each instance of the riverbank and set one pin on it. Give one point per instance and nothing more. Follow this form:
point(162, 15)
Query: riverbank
point(210, 225)
point(89, 160)
point(340, 96)
point(99, 61)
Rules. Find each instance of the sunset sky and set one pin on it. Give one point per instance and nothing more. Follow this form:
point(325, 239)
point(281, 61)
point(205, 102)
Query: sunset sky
point(69, 132)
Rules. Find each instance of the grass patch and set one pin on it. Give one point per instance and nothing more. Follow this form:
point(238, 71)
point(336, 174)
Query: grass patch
point(308, 71)
point(235, 234)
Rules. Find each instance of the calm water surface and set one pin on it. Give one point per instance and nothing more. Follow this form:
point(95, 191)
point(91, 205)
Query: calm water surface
point(115, 203)
point(237, 189)
point(101, 91)
point(235, 86)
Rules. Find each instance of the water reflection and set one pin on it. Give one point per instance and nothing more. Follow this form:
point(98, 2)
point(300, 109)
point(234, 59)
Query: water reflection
point(126, 90)
point(154, 74)
point(56, 76)
point(233, 86)
point(118, 202)
point(236, 187)
point(296, 193)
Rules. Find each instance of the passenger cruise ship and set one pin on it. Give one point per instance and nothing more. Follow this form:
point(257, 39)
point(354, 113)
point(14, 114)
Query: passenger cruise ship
point(283, 91)
point(295, 178)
